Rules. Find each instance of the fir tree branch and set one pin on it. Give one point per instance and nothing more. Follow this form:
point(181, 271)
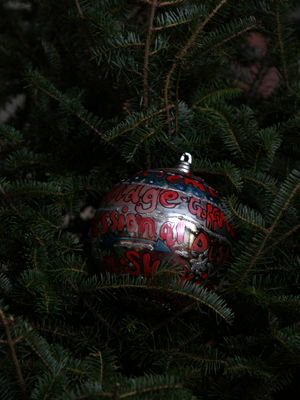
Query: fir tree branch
point(182, 53)
point(145, 138)
point(176, 97)
point(225, 41)
point(244, 219)
point(150, 389)
point(94, 312)
point(269, 233)
point(79, 9)
point(290, 232)
point(158, 28)
point(167, 321)
point(170, 3)
point(61, 101)
point(279, 38)
point(229, 130)
point(137, 124)
point(13, 353)
point(147, 49)
point(220, 91)
point(34, 234)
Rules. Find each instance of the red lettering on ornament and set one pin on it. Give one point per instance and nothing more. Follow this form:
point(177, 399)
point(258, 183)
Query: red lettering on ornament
point(148, 269)
point(166, 233)
point(200, 243)
point(146, 224)
point(149, 197)
point(194, 183)
point(167, 197)
point(121, 223)
point(113, 193)
point(174, 178)
point(195, 208)
point(111, 267)
point(130, 223)
point(104, 222)
point(180, 229)
point(221, 255)
point(184, 277)
point(114, 220)
point(121, 192)
point(133, 195)
point(213, 217)
point(129, 255)
point(213, 192)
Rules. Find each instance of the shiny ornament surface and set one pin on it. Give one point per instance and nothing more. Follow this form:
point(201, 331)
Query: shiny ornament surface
point(157, 214)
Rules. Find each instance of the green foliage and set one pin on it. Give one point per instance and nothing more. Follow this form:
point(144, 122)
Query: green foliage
point(111, 88)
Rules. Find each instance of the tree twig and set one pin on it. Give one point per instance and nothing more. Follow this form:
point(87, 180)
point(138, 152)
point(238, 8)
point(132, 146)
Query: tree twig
point(147, 50)
point(182, 53)
point(13, 353)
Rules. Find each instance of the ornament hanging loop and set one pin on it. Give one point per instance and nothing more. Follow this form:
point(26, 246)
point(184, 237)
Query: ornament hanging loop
point(185, 163)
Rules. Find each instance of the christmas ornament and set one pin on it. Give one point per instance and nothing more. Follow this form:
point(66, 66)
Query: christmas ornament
point(157, 214)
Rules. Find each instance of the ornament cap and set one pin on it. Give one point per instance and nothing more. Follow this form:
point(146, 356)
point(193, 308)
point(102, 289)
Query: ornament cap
point(185, 163)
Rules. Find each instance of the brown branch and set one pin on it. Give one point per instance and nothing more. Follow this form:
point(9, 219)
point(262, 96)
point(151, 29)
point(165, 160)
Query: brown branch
point(138, 123)
point(182, 53)
point(285, 77)
point(230, 131)
point(159, 28)
point(34, 234)
point(13, 353)
point(244, 219)
point(290, 232)
point(60, 101)
point(147, 49)
point(176, 98)
point(269, 232)
point(79, 9)
point(239, 90)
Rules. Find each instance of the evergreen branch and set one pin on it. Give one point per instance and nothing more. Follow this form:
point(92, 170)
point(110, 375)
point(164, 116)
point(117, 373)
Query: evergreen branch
point(255, 181)
point(167, 321)
point(282, 342)
point(150, 389)
point(79, 9)
point(95, 313)
point(182, 53)
point(288, 200)
point(147, 49)
point(279, 38)
point(99, 354)
point(145, 138)
point(170, 3)
point(158, 28)
point(226, 40)
point(62, 102)
point(193, 356)
point(123, 46)
point(140, 121)
point(13, 353)
point(218, 92)
point(269, 232)
point(228, 128)
point(290, 232)
point(248, 222)
point(21, 218)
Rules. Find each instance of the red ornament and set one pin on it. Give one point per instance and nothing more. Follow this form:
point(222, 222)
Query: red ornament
point(162, 213)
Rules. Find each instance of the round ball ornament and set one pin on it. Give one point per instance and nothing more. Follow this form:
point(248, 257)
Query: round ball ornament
point(158, 214)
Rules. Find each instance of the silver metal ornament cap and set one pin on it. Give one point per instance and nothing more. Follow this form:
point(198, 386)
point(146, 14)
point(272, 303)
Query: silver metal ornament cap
point(185, 163)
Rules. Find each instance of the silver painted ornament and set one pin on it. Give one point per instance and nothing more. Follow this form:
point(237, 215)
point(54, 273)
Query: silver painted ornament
point(162, 213)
